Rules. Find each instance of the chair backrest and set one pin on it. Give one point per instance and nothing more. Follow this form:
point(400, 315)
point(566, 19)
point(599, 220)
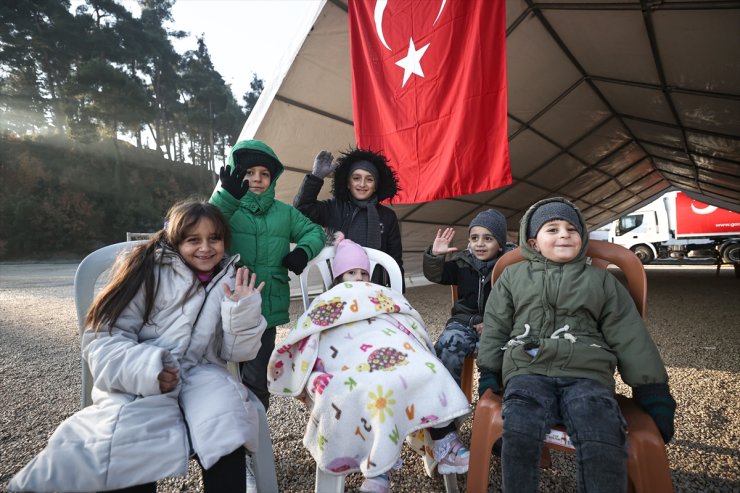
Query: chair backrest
point(86, 276)
point(321, 262)
point(602, 254)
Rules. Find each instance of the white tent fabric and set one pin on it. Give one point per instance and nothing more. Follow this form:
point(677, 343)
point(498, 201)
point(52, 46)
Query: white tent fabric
point(610, 104)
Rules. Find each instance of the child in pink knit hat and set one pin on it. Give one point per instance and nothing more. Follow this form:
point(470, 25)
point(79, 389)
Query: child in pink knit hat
point(361, 359)
point(350, 261)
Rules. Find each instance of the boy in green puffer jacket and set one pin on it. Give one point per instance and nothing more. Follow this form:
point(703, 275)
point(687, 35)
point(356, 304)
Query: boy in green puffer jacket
point(556, 328)
point(262, 230)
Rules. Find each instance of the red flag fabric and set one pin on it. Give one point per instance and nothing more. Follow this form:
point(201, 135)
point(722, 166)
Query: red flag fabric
point(429, 92)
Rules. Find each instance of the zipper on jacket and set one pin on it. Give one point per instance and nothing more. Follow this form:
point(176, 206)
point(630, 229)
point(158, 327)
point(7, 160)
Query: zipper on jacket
point(211, 285)
point(480, 294)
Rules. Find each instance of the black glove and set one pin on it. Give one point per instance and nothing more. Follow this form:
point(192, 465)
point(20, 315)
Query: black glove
point(296, 261)
point(656, 400)
point(488, 380)
point(233, 182)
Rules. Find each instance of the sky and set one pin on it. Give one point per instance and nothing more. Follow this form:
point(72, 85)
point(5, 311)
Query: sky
point(243, 36)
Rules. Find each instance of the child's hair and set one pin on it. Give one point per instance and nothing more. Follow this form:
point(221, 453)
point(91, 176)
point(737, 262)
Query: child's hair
point(137, 266)
point(349, 255)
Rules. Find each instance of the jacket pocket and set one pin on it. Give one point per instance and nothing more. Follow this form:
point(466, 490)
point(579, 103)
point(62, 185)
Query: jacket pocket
point(514, 359)
point(585, 358)
point(279, 293)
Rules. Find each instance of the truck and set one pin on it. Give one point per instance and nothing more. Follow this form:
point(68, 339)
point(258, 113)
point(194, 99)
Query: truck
point(677, 227)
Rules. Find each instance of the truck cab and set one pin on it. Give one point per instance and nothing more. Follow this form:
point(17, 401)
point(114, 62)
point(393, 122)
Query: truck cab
point(639, 230)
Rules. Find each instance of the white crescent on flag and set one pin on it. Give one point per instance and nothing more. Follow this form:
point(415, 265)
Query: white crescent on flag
point(380, 8)
point(703, 210)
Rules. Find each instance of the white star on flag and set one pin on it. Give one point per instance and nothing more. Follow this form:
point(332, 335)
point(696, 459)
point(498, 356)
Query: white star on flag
point(411, 63)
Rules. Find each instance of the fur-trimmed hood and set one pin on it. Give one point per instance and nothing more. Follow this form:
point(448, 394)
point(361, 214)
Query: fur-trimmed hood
point(387, 185)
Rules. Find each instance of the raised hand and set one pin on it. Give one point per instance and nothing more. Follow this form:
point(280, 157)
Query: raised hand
point(441, 245)
point(233, 182)
point(168, 379)
point(243, 286)
point(323, 164)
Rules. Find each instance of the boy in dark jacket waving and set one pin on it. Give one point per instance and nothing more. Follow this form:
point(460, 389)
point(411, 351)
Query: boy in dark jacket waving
point(470, 270)
point(555, 329)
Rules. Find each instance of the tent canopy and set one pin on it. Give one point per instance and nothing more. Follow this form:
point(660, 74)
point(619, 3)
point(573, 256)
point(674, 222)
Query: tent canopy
point(610, 104)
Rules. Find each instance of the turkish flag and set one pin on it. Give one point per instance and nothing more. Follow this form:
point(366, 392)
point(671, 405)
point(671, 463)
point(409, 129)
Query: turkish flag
point(429, 92)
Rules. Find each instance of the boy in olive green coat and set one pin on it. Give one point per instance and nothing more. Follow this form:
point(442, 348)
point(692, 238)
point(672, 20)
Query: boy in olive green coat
point(556, 328)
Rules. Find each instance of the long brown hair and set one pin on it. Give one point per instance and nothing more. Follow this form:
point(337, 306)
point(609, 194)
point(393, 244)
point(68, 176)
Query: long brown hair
point(138, 265)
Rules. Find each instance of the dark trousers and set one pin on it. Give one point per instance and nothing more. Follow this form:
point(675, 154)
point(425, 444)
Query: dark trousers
point(440, 433)
point(535, 403)
point(254, 372)
point(228, 475)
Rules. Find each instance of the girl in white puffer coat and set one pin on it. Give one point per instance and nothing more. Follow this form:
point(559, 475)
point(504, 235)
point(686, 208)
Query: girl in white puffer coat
point(157, 341)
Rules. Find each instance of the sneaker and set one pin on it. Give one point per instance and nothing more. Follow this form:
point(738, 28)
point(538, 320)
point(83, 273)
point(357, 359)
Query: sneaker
point(377, 484)
point(251, 479)
point(451, 455)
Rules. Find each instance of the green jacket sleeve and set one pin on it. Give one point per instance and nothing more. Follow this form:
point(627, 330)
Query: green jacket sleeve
point(224, 201)
point(498, 319)
point(639, 361)
point(306, 234)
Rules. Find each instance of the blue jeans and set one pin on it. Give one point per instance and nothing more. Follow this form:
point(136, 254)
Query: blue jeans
point(455, 343)
point(534, 403)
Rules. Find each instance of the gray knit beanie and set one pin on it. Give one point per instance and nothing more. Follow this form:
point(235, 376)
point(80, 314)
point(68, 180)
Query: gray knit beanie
point(493, 221)
point(367, 166)
point(551, 211)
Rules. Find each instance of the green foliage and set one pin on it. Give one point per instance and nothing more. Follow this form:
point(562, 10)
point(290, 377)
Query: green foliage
point(100, 73)
point(71, 83)
point(60, 198)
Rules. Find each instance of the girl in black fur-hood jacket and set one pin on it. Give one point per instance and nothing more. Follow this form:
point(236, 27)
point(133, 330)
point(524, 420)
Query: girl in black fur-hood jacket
point(362, 179)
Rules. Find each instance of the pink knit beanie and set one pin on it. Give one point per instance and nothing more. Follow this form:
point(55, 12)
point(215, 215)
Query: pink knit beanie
point(349, 256)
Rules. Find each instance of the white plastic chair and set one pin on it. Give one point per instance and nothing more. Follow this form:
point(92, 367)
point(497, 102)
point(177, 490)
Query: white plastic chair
point(86, 277)
point(325, 482)
point(320, 261)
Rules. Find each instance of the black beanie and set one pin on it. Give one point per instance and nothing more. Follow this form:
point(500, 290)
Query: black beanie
point(551, 211)
point(247, 158)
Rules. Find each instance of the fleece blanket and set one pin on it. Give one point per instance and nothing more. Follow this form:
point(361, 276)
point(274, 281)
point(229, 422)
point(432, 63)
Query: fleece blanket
point(361, 358)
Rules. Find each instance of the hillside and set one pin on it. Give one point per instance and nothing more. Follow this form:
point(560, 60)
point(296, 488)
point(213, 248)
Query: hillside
point(63, 199)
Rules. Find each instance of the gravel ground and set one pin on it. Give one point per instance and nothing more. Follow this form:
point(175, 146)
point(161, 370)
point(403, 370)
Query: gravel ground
point(692, 314)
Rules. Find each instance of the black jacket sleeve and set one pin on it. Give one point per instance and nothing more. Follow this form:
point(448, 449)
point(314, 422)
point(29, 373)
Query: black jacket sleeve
point(392, 232)
point(318, 211)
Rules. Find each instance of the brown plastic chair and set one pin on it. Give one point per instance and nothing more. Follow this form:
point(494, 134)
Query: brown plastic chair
point(647, 466)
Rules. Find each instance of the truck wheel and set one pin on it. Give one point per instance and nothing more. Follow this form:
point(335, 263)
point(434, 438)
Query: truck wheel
point(731, 253)
point(644, 253)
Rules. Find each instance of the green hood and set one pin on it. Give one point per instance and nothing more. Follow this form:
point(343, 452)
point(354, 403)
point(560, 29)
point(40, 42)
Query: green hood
point(257, 146)
point(528, 252)
point(263, 201)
